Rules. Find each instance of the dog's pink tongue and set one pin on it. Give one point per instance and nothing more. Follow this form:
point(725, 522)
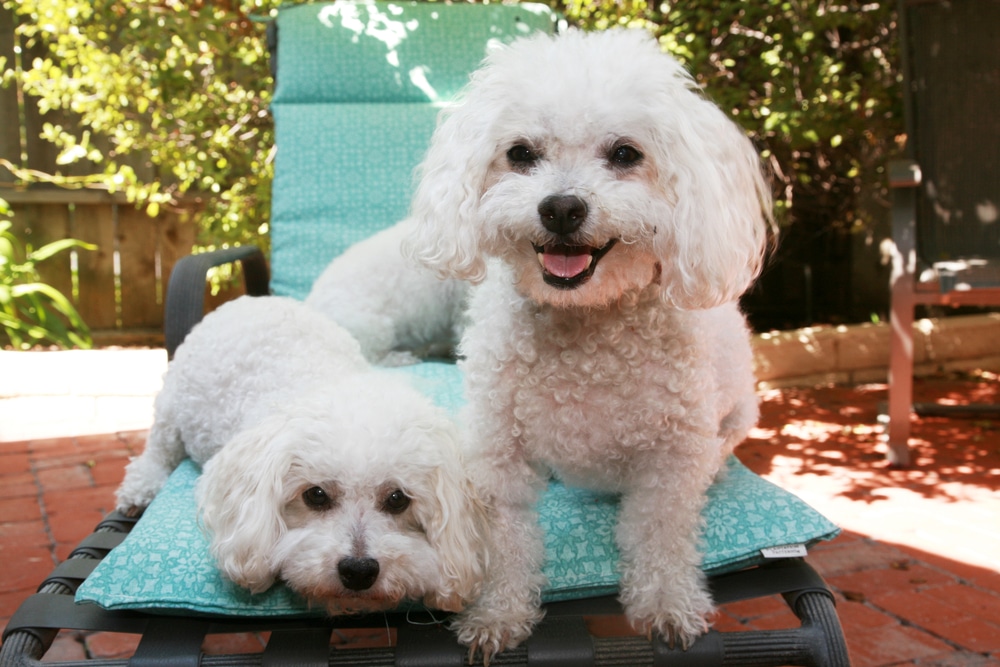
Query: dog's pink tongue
point(566, 266)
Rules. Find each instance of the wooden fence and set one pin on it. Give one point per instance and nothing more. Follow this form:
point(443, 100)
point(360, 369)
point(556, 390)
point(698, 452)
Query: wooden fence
point(118, 288)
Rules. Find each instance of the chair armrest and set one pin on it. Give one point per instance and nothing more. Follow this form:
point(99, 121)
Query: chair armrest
point(904, 174)
point(186, 289)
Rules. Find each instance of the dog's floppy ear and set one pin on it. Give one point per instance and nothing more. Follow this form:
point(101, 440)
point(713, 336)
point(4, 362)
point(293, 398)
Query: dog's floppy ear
point(240, 495)
point(715, 245)
point(452, 178)
point(455, 524)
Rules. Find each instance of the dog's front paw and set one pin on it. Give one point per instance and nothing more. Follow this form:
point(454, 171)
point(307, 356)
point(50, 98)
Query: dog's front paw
point(488, 632)
point(132, 501)
point(676, 623)
point(145, 475)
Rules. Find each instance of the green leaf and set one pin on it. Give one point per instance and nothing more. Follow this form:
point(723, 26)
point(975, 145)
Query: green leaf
point(50, 249)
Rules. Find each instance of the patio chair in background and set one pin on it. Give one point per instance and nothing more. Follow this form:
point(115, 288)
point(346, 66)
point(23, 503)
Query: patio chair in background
point(358, 88)
point(946, 193)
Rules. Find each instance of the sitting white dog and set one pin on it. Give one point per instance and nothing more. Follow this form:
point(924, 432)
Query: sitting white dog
point(612, 216)
point(342, 481)
point(398, 311)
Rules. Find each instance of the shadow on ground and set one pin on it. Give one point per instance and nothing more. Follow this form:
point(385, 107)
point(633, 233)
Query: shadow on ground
point(834, 430)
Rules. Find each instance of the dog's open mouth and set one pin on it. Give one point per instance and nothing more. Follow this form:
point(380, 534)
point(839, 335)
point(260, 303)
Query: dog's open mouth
point(569, 266)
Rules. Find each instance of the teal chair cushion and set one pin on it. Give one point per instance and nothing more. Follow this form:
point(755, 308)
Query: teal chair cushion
point(357, 94)
point(319, 208)
point(165, 564)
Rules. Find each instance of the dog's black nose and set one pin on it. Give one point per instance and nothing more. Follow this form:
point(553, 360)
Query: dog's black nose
point(562, 214)
point(358, 574)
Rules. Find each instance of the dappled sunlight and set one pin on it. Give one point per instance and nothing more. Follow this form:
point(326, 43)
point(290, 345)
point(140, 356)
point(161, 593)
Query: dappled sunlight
point(831, 435)
point(758, 433)
point(825, 444)
point(384, 24)
point(375, 23)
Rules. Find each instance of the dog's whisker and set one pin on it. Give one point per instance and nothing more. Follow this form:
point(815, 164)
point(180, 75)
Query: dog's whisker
point(429, 612)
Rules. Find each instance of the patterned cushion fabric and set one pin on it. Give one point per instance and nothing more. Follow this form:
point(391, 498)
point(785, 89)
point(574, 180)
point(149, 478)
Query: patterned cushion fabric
point(164, 563)
point(320, 208)
point(358, 90)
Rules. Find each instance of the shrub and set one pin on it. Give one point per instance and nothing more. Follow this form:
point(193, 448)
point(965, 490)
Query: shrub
point(31, 312)
point(815, 83)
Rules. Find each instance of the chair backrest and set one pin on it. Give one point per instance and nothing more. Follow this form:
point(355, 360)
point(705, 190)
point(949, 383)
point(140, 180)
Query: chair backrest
point(954, 126)
point(358, 89)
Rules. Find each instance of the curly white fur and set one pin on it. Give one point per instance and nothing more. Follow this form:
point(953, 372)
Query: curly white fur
point(397, 310)
point(344, 482)
point(612, 216)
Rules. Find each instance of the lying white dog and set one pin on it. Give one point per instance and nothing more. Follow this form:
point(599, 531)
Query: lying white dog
point(342, 481)
point(397, 310)
point(612, 216)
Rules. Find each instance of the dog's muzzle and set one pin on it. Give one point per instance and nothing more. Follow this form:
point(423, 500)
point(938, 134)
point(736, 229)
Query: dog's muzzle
point(569, 266)
point(565, 265)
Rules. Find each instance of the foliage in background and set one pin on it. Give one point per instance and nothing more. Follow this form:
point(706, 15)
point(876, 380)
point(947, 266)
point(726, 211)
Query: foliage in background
point(814, 82)
point(31, 312)
point(184, 86)
point(172, 97)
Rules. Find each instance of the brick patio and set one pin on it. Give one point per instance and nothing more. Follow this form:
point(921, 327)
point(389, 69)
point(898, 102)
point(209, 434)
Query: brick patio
point(916, 572)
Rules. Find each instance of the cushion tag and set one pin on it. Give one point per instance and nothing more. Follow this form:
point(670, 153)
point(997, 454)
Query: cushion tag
point(785, 551)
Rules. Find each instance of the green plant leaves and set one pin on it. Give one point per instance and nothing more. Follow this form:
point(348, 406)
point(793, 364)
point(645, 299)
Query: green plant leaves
point(172, 100)
point(814, 83)
point(51, 249)
point(174, 96)
point(32, 312)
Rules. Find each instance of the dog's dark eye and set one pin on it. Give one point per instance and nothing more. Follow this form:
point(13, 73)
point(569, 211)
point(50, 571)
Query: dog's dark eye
point(521, 157)
point(624, 156)
point(396, 502)
point(316, 498)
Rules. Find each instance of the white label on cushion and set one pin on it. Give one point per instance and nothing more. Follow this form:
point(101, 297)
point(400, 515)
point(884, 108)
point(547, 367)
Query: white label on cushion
point(786, 551)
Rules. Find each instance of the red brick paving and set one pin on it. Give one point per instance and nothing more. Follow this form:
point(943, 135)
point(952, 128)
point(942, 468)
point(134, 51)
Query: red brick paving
point(913, 572)
point(916, 571)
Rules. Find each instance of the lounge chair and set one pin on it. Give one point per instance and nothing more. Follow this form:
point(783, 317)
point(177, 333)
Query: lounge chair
point(360, 76)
